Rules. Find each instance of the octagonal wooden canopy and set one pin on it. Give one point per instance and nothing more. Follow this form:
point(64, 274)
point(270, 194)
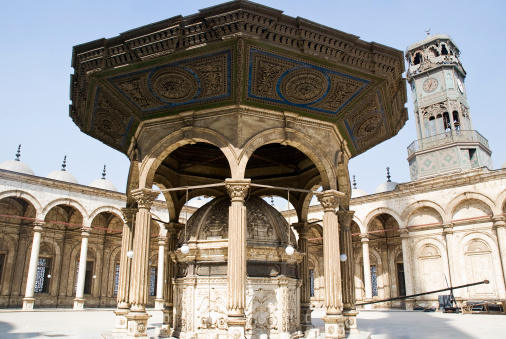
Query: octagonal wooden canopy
point(238, 53)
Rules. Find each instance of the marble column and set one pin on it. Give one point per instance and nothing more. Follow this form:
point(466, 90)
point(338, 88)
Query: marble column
point(173, 230)
point(29, 300)
point(124, 271)
point(500, 228)
point(347, 272)
point(408, 271)
point(367, 269)
point(236, 268)
point(334, 321)
point(160, 280)
point(304, 229)
point(79, 300)
point(452, 262)
point(139, 275)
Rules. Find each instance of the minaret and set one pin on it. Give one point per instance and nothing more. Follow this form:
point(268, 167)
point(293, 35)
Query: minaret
point(446, 139)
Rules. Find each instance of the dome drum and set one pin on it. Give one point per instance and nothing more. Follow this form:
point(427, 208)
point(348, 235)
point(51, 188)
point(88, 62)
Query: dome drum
point(272, 284)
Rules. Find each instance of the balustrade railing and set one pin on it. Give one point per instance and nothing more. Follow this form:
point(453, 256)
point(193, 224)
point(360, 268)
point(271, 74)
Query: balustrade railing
point(446, 138)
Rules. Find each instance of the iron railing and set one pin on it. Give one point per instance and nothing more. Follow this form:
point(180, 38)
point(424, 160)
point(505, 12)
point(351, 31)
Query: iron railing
point(446, 138)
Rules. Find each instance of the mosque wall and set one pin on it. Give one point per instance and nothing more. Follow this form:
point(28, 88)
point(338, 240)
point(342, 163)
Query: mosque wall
point(449, 227)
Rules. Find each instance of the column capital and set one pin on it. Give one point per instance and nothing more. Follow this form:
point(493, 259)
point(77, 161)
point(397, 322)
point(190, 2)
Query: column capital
point(329, 199)
point(128, 213)
point(237, 188)
point(38, 226)
point(162, 240)
point(499, 221)
point(173, 228)
point(364, 237)
point(303, 228)
point(345, 218)
point(448, 228)
point(144, 197)
point(404, 232)
point(85, 231)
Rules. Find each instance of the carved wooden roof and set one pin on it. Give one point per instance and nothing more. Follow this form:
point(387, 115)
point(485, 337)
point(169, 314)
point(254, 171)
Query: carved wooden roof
point(238, 53)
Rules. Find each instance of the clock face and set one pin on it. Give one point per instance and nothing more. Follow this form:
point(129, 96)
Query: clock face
point(461, 86)
point(430, 85)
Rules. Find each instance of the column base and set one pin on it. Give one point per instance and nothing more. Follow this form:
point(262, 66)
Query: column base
point(334, 326)
point(305, 318)
point(121, 322)
point(368, 307)
point(166, 330)
point(350, 325)
point(236, 327)
point(79, 303)
point(159, 304)
point(137, 324)
point(410, 304)
point(28, 304)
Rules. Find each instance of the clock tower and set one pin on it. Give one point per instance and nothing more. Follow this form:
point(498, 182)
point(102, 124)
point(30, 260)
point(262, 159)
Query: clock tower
point(446, 139)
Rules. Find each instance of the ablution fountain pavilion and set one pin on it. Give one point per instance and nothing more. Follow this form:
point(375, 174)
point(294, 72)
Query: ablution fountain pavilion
point(237, 102)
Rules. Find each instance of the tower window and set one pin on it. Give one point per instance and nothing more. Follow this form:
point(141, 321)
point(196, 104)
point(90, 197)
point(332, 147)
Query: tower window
point(418, 58)
point(444, 51)
point(434, 52)
point(456, 120)
point(446, 122)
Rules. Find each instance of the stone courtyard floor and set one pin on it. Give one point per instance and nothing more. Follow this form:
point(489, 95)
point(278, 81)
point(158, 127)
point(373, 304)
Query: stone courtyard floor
point(383, 324)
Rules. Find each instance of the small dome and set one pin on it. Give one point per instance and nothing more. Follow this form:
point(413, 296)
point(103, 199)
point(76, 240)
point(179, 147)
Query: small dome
point(386, 187)
point(357, 193)
point(104, 184)
point(62, 176)
point(16, 166)
point(265, 225)
point(503, 165)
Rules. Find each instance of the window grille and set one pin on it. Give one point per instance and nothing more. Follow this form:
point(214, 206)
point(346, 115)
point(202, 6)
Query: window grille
point(116, 280)
point(152, 281)
point(42, 277)
point(374, 281)
point(311, 278)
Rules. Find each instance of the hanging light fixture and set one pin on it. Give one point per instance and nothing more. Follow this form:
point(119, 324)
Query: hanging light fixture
point(289, 249)
point(185, 248)
point(343, 257)
point(130, 254)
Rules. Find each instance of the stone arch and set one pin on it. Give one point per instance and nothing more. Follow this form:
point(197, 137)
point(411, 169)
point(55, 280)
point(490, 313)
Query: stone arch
point(110, 209)
point(48, 248)
point(501, 203)
point(416, 206)
point(114, 260)
point(382, 210)
point(293, 138)
point(68, 202)
point(304, 205)
point(470, 196)
point(7, 247)
point(162, 149)
point(480, 251)
point(431, 264)
point(26, 196)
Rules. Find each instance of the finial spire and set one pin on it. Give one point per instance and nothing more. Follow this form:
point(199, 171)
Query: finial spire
point(388, 174)
point(354, 183)
point(272, 201)
point(18, 154)
point(64, 164)
point(103, 173)
point(428, 32)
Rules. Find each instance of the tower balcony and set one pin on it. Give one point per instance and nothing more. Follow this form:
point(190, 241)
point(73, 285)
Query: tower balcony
point(448, 152)
point(446, 138)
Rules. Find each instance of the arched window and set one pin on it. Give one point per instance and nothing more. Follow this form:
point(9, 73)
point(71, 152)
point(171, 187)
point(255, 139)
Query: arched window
point(446, 122)
point(444, 51)
point(418, 58)
point(456, 120)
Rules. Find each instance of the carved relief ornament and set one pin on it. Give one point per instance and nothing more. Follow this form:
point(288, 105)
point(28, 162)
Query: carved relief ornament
point(144, 197)
point(330, 199)
point(237, 189)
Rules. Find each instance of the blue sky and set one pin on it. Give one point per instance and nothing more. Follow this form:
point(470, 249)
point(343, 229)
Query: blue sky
point(37, 39)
